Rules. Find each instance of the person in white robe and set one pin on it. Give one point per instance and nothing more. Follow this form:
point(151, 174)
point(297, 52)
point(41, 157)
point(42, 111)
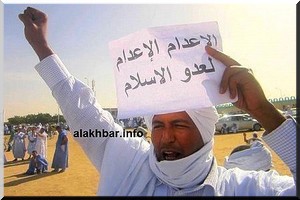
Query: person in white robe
point(41, 142)
point(19, 148)
point(31, 132)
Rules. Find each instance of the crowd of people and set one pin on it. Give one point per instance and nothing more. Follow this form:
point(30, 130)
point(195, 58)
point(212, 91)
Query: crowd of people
point(32, 140)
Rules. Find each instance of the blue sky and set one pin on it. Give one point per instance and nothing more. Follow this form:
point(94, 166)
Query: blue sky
point(261, 36)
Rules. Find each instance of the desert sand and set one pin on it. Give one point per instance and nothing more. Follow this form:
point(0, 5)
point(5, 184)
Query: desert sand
point(81, 178)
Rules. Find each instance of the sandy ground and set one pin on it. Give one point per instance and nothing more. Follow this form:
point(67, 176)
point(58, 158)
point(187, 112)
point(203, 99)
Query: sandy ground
point(81, 178)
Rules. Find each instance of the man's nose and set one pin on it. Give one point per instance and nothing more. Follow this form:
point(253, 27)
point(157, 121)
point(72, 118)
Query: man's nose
point(168, 135)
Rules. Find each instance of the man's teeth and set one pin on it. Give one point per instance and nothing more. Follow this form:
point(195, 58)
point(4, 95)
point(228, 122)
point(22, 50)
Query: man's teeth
point(170, 155)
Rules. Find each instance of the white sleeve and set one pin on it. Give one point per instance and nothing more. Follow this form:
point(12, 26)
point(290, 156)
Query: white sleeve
point(283, 141)
point(79, 106)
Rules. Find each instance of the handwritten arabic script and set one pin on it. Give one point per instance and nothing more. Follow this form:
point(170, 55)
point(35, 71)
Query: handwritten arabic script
point(165, 69)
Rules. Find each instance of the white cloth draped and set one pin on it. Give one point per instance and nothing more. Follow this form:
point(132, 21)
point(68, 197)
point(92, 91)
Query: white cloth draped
point(257, 157)
point(41, 144)
point(193, 169)
point(186, 172)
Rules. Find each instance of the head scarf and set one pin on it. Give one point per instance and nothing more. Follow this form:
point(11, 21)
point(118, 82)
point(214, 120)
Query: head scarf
point(204, 119)
point(193, 169)
point(257, 157)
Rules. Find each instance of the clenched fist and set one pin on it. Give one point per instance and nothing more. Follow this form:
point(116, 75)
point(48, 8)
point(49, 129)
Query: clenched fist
point(35, 30)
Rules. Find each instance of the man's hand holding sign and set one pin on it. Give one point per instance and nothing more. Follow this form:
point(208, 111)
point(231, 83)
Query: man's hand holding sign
point(241, 83)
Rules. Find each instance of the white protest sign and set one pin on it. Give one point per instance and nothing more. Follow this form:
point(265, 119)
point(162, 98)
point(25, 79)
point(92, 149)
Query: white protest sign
point(166, 69)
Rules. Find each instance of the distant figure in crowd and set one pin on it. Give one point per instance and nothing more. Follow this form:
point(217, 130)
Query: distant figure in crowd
point(19, 148)
point(288, 110)
point(37, 164)
point(60, 159)
point(41, 142)
point(250, 157)
point(6, 129)
point(144, 131)
point(251, 140)
point(50, 132)
point(4, 159)
point(4, 156)
point(224, 128)
point(39, 126)
point(11, 138)
point(31, 140)
point(234, 128)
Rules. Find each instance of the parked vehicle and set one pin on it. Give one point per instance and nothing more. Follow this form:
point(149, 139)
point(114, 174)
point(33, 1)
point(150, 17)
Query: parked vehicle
point(236, 123)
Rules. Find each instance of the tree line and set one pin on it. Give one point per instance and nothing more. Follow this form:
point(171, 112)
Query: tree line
point(36, 119)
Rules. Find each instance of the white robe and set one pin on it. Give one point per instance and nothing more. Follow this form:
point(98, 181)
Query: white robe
point(41, 144)
point(31, 143)
point(19, 148)
point(124, 162)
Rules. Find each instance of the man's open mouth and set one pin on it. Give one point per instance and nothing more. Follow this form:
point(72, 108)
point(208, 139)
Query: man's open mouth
point(170, 155)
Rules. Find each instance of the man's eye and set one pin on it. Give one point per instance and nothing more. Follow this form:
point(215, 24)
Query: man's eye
point(181, 126)
point(157, 126)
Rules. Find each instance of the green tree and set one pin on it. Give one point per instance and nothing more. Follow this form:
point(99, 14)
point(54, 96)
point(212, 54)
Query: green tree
point(55, 119)
point(36, 118)
point(43, 118)
point(17, 120)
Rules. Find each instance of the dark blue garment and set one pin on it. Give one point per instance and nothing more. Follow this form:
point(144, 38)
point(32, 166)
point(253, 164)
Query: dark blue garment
point(38, 164)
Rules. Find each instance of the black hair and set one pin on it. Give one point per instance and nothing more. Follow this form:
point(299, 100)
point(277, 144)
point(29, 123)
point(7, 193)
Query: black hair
point(240, 148)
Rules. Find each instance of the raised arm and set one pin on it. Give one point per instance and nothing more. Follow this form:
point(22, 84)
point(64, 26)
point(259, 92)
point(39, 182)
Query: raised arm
point(245, 139)
point(79, 105)
point(76, 100)
point(40, 134)
point(280, 132)
point(35, 30)
point(241, 82)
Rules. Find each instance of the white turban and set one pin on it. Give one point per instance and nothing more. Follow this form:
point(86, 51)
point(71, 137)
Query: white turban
point(193, 169)
point(257, 157)
point(204, 119)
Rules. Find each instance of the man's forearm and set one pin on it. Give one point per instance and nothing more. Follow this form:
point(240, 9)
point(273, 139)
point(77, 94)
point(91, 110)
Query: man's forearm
point(269, 117)
point(42, 51)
